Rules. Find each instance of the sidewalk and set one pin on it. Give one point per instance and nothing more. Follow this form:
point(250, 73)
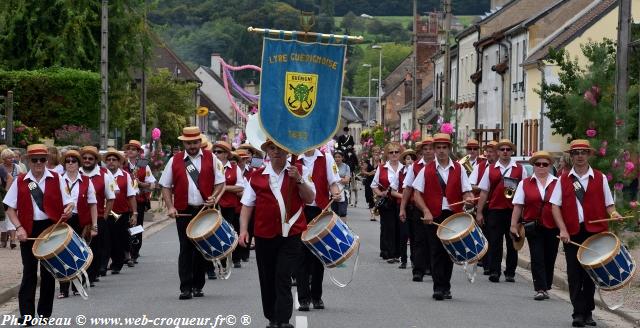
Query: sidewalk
point(11, 265)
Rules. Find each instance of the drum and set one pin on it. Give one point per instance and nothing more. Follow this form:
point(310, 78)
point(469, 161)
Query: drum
point(330, 239)
point(65, 254)
point(462, 239)
point(212, 235)
point(607, 261)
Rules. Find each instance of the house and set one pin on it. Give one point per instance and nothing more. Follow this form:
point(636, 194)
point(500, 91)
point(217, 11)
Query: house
point(465, 95)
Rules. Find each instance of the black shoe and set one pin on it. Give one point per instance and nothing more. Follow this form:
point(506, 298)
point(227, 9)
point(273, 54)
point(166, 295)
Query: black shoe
point(91, 284)
point(272, 324)
point(486, 272)
point(417, 277)
point(393, 260)
point(285, 325)
point(403, 265)
point(304, 306)
point(438, 296)
point(318, 304)
point(12, 245)
point(539, 296)
point(197, 292)
point(130, 263)
point(578, 321)
point(447, 295)
point(588, 321)
point(115, 271)
point(494, 278)
point(103, 273)
point(245, 260)
point(509, 278)
point(237, 265)
point(24, 322)
point(185, 295)
point(427, 272)
point(212, 276)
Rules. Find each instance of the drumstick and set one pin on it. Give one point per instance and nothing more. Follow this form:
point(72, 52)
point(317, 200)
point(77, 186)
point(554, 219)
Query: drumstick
point(443, 226)
point(36, 238)
point(464, 201)
point(182, 215)
point(53, 229)
point(580, 245)
point(613, 219)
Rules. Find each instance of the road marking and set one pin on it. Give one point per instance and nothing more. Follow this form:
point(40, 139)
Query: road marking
point(301, 321)
point(296, 304)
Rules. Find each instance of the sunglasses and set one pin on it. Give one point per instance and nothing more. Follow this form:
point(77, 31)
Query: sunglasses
point(88, 158)
point(541, 164)
point(39, 159)
point(580, 152)
point(472, 148)
point(219, 151)
point(112, 159)
point(505, 149)
point(394, 152)
point(71, 161)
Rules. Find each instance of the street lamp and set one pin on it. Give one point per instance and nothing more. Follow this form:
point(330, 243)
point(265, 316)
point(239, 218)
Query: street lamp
point(369, 99)
point(379, 47)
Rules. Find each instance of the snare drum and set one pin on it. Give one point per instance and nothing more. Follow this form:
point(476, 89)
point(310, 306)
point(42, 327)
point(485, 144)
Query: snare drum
point(212, 235)
point(607, 261)
point(462, 239)
point(65, 254)
point(329, 238)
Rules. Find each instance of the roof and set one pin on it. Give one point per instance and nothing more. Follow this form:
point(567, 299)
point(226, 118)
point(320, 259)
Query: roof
point(425, 95)
point(391, 81)
point(361, 105)
point(219, 80)
point(163, 57)
point(206, 101)
point(571, 30)
point(466, 32)
point(511, 14)
point(349, 113)
point(550, 15)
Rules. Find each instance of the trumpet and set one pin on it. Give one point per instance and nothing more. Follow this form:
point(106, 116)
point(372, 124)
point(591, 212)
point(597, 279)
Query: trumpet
point(466, 163)
point(115, 215)
point(509, 192)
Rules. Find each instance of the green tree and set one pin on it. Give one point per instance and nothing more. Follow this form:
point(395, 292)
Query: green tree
point(392, 56)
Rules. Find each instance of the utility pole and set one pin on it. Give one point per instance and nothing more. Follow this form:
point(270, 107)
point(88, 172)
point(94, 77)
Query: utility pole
point(104, 75)
point(414, 83)
point(143, 91)
point(622, 62)
point(447, 56)
point(9, 114)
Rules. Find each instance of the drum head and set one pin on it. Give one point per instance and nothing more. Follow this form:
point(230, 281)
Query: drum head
point(317, 226)
point(204, 223)
point(601, 247)
point(58, 239)
point(455, 226)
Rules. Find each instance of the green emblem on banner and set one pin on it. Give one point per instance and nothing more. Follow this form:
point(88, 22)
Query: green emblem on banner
point(300, 93)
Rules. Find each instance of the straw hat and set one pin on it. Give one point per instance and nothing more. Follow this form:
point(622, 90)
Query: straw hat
point(72, 153)
point(472, 143)
point(113, 152)
point(206, 144)
point(266, 144)
point(243, 153)
point(428, 140)
point(491, 144)
point(190, 133)
point(441, 138)
point(224, 145)
point(579, 144)
point(540, 154)
point(133, 143)
point(37, 149)
point(234, 156)
point(505, 142)
point(518, 242)
point(408, 152)
point(251, 149)
point(90, 150)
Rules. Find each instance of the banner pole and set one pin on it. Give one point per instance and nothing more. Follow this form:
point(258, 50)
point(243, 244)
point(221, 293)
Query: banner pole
point(350, 38)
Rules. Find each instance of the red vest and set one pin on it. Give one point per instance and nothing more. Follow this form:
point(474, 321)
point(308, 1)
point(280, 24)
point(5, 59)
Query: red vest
point(121, 203)
point(401, 176)
point(99, 185)
point(593, 207)
point(52, 202)
point(267, 215)
point(481, 168)
point(320, 180)
point(533, 201)
point(141, 175)
point(84, 213)
point(230, 199)
point(496, 187)
point(433, 192)
point(248, 172)
point(480, 161)
point(181, 182)
point(383, 178)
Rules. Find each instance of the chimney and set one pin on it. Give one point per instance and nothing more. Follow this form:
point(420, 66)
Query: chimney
point(216, 67)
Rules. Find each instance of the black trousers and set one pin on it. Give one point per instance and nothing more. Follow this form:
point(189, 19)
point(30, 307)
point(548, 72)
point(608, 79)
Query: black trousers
point(101, 248)
point(310, 267)
point(135, 246)
point(368, 192)
point(402, 238)
point(581, 287)
point(420, 245)
point(498, 224)
point(74, 223)
point(191, 264)
point(543, 249)
point(119, 239)
point(389, 231)
point(229, 214)
point(277, 259)
point(27, 292)
point(441, 264)
point(484, 261)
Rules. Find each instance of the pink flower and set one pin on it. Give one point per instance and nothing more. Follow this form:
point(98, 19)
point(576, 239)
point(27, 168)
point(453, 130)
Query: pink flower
point(604, 143)
point(615, 163)
point(446, 128)
point(633, 204)
point(429, 126)
point(609, 176)
point(626, 155)
point(590, 98)
point(591, 133)
point(603, 151)
point(618, 186)
point(629, 167)
point(405, 136)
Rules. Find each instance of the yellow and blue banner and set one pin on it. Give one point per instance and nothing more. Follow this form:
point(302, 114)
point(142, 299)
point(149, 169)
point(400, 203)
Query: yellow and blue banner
point(300, 92)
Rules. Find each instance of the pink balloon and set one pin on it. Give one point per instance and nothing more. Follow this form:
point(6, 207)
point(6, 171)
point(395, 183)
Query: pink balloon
point(155, 134)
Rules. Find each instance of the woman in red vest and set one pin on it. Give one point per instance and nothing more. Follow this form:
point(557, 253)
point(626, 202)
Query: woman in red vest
point(51, 205)
point(531, 203)
point(406, 233)
point(278, 193)
point(581, 196)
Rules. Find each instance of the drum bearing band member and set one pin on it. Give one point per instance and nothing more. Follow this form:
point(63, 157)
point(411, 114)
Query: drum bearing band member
point(497, 186)
point(325, 178)
point(421, 255)
point(438, 184)
point(124, 207)
point(581, 196)
point(278, 193)
point(145, 182)
point(106, 190)
point(35, 202)
point(384, 186)
point(531, 202)
point(85, 212)
point(196, 179)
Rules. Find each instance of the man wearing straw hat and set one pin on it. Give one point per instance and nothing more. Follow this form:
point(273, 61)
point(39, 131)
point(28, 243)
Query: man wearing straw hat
point(408, 211)
point(278, 192)
point(496, 179)
point(473, 150)
point(192, 178)
point(581, 196)
point(140, 171)
point(438, 184)
point(35, 202)
point(124, 206)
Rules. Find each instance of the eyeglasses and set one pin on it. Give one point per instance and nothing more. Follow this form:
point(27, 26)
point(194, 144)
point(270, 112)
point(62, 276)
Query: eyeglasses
point(112, 159)
point(88, 158)
point(39, 159)
point(580, 152)
point(71, 161)
point(541, 164)
point(219, 151)
point(472, 148)
point(394, 152)
point(505, 149)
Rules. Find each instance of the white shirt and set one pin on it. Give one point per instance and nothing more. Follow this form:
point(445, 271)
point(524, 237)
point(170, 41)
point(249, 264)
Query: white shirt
point(58, 169)
point(110, 187)
point(409, 177)
point(72, 188)
point(249, 195)
point(148, 176)
point(392, 175)
point(418, 183)
point(131, 189)
point(485, 184)
point(11, 199)
point(194, 197)
point(556, 197)
point(331, 168)
point(518, 198)
point(473, 177)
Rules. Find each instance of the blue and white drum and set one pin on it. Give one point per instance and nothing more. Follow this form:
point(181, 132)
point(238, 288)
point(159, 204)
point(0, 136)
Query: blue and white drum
point(65, 254)
point(607, 261)
point(462, 239)
point(330, 239)
point(212, 235)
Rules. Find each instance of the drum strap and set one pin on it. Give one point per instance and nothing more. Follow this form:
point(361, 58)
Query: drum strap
point(37, 194)
point(192, 170)
point(443, 185)
point(578, 188)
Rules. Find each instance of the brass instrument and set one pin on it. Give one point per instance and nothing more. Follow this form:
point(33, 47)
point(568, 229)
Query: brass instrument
point(466, 163)
point(509, 192)
point(115, 215)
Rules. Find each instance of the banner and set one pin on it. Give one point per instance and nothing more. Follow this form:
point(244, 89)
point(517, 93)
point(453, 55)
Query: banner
point(300, 92)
